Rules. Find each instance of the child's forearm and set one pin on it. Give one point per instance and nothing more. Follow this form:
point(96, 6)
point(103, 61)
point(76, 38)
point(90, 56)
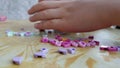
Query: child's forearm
point(113, 11)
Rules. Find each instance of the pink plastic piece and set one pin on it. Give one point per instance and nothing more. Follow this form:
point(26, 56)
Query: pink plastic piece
point(71, 50)
point(66, 44)
point(45, 40)
point(52, 41)
point(58, 43)
point(39, 55)
point(82, 44)
point(3, 18)
point(58, 37)
point(17, 60)
point(112, 48)
point(62, 51)
point(97, 43)
point(74, 44)
point(104, 48)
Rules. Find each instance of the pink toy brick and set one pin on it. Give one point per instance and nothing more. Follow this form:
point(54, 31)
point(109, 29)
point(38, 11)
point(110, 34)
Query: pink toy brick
point(66, 44)
point(58, 37)
point(104, 48)
point(58, 43)
point(39, 55)
point(3, 18)
point(44, 50)
point(52, 41)
point(82, 44)
point(17, 60)
point(45, 40)
point(62, 51)
point(71, 50)
point(74, 44)
point(112, 48)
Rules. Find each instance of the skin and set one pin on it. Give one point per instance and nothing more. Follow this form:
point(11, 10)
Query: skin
point(75, 15)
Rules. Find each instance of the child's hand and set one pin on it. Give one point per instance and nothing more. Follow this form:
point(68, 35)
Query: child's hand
point(71, 15)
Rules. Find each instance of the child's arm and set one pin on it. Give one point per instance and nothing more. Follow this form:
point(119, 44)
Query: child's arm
point(76, 16)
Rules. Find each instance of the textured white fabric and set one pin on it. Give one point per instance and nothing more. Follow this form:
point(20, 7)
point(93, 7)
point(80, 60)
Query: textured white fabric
point(16, 9)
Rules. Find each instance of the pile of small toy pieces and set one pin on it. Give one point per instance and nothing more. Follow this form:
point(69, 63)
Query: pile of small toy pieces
point(22, 34)
point(42, 54)
point(3, 18)
point(110, 48)
point(65, 42)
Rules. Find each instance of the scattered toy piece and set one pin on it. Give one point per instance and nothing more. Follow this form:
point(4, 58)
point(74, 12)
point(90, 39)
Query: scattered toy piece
point(62, 51)
point(17, 60)
point(71, 50)
point(44, 50)
point(112, 48)
point(39, 55)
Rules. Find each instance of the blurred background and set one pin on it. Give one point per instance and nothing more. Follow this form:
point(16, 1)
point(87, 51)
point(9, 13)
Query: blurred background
point(16, 9)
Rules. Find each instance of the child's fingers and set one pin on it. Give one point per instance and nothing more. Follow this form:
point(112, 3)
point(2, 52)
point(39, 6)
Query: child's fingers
point(44, 5)
point(50, 24)
point(48, 14)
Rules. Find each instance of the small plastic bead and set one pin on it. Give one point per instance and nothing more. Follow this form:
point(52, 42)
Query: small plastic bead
point(16, 33)
point(44, 50)
point(39, 55)
point(82, 44)
point(45, 40)
point(62, 51)
point(91, 43)
point(58, 43)
point(58, 37)
point(74, 44)
point(22, 34)
point(28, 33)
point(112, 48)
point(17, 60)
point(97, 43)
point(66, 44)
point(52, 41)
point(71, 50)
point(104, 48)
point(118, 49)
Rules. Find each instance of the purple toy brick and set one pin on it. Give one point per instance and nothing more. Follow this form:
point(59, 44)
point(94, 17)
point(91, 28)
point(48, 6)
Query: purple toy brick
point(62, 51)
point(112, 48)
point(104, 48)
point(66, 44)
point(71, 50)
point(28, 33)
point(39, 55)
point(17, 60)
point(118, 49)
point(44, 50)
point(82, 44)
point(45, 40)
